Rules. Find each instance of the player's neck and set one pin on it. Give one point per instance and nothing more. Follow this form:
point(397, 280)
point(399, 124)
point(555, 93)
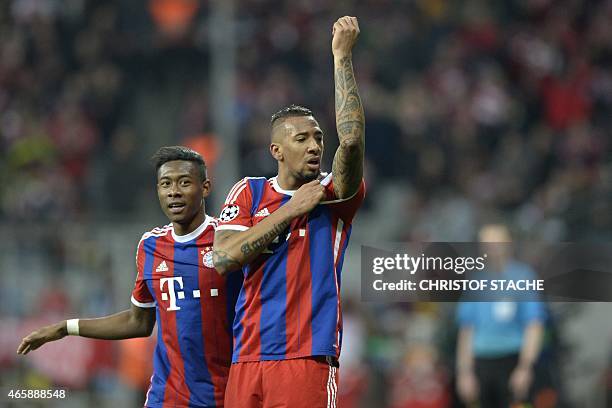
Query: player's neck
point(288, 182)
point(184, 229)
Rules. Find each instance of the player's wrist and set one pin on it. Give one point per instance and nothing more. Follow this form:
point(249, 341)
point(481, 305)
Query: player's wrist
point(72, 327)
point(61, 329)
point(291, 211)
point(340, 55)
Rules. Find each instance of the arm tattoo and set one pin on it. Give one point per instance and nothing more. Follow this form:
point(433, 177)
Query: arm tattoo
point(350, 123)
point(222, 259)
point(258, 244)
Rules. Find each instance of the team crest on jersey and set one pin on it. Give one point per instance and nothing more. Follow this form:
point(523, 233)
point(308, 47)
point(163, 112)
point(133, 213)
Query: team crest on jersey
point(229, 213)
point(207, 259)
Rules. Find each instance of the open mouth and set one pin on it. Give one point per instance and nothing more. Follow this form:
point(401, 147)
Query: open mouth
point(176, 208)
point(315, 162)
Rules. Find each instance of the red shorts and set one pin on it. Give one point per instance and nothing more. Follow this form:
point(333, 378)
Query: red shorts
point(309, 382)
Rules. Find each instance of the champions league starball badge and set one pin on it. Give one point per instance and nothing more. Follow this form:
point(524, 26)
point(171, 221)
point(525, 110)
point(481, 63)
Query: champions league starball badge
point(229, 213)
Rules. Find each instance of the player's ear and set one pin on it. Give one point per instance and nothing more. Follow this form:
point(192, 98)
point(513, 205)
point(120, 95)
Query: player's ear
point(276, 150)
point(206, 186)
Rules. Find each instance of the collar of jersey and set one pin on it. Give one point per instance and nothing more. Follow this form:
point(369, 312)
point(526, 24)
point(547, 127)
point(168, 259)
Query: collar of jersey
point(325, 181)
point(193, 234)
point(278, 188)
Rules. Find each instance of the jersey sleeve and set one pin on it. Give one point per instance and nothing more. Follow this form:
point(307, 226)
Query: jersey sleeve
point(236, 212)
point(531, 312)
point(466, 315)
point(345, 208)
point(141, 296)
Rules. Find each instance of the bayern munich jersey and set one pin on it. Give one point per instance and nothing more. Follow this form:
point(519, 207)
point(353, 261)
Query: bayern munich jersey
point(194, 311)
point(289, 305)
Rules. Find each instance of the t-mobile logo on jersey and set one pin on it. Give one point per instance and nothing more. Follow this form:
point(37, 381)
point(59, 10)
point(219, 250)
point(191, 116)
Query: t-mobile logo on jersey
point(171, 291)
point(179, 294)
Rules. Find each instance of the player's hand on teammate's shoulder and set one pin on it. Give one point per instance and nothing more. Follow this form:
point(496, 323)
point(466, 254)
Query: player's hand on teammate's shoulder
point(344, 33)
point(306, 198)
point(41, 336)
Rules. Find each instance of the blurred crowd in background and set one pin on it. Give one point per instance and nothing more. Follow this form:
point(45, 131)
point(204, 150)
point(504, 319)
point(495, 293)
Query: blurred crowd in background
point(475, 110)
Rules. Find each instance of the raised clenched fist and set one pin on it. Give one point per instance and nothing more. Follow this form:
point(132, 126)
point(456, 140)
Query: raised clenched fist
point(344, 32)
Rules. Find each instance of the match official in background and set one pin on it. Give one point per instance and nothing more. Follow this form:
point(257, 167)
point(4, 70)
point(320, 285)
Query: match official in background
point(499, 342)
point(177, 286)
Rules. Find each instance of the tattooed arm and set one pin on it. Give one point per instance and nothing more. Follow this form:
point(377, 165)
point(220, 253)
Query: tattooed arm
point(232, 249)
point(347, 167)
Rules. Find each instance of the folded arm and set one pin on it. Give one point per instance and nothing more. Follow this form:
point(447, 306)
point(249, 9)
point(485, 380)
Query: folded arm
point(233, 249)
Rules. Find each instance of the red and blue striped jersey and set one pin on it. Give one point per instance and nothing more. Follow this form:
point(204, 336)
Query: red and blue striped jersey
point(289, 305)
point(194, 310)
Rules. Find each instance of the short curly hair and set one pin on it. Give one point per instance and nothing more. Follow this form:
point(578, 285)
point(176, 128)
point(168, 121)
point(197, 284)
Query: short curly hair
point(289, 111)
point(171, 153)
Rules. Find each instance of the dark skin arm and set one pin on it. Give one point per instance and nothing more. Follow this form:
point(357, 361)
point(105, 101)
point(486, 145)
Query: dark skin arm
point(134, 322)
point(232, 249)
point(350, 119)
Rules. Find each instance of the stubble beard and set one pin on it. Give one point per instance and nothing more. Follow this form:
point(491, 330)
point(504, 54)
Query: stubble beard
point(308, 177)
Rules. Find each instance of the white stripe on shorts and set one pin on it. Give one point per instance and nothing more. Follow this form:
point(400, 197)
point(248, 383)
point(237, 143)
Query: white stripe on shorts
point(332, 388)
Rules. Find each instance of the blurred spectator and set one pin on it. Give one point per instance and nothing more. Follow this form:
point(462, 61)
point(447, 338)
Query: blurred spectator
point(352, 388)
point(486, 101)
point(473, 108)
point(421, 381)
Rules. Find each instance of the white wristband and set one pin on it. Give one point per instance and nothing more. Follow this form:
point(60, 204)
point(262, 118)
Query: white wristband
point(72, 326)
